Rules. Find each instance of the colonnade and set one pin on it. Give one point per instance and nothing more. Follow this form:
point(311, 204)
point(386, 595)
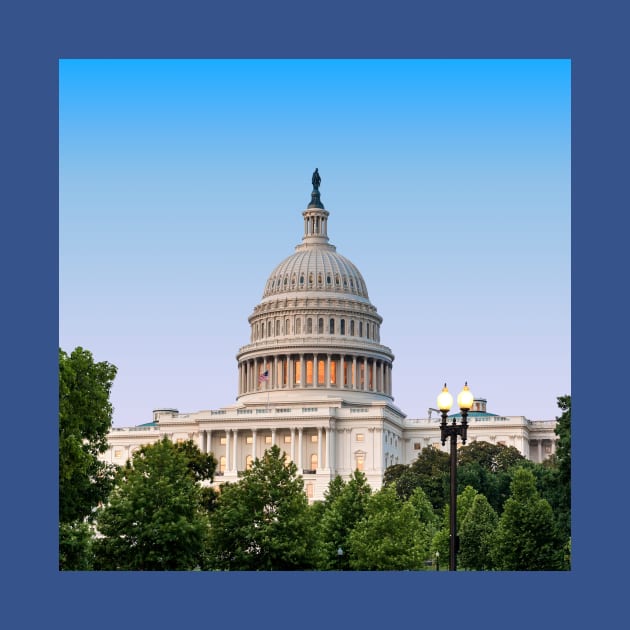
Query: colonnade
point(235, 448)
point(315, 370)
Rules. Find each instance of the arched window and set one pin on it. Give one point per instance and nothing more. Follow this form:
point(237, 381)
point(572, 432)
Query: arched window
point(249, 460)
point(277, 327)
point(314, 461)
point(319, 279)
point(320, 326)
point(298, 326)
point(342, 327)
point(360, 329)
point(310, 279)
point(328, 280)
point(293, 280)
point(301, 281)
point(309, 326)
point(222, 464)
point(287, 326)
point(352, 327)
point(337, 279)
point(269, 328)
point(262, 330)
point(331, 326)
point(367, 330)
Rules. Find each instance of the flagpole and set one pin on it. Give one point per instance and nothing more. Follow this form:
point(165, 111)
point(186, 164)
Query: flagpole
point(267, 381)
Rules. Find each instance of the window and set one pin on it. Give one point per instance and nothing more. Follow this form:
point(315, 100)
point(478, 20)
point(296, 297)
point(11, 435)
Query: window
point(417, 446)
point(309, 326)
point(222, 464)
point(250, 439)
point(309, 372)
point(287, 439)
point(360, 329)
point(297, 368)
point(360, 437)
point(320, 326)
point(118, 453)
point(313, 438)
point(248, 462)
point(287, 326)
point(331, 326)
point(314, 461)
point(223, 441)
point(309, 490)
point(267, 439)
point(321, 373)
point(360, 460)
point(333, 372)
point(298, 326)
point(277, 327)
point(342, 327)
point(328, 280)
point(352, 327)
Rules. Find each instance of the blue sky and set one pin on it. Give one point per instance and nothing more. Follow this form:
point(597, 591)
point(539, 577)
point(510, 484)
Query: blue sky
point(182, 184)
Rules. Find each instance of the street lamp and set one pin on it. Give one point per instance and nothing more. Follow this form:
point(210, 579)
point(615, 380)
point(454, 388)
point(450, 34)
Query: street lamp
point(339, 557)
point(437, 560)
point(465, 401)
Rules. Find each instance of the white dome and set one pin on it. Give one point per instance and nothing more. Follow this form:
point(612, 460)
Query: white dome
point(316, 268)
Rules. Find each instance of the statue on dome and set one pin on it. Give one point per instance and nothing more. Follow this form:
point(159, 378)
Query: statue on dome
point(317, 180)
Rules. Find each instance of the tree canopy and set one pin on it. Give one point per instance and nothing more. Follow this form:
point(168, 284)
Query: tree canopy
point(154, 519)
point(85, 418)
point(261, 523)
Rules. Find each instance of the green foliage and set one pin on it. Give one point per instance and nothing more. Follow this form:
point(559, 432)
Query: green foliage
point(262, 523)
point(345, 509)
point(75, 546)
point(154, 520)
point(85, 417)
point(201, 465)
point(390, 537)
point(491, 457)
point(393, 473)
point(563, 455)
point(476, 535)
point(525, 538)
point(430, 471)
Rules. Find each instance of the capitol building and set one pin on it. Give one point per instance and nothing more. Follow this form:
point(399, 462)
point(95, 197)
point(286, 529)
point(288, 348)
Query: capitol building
point(316, 380)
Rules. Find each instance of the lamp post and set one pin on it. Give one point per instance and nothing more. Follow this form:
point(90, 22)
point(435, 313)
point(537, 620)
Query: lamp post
point(339, 557)
point(465, 401)
point(437, 560)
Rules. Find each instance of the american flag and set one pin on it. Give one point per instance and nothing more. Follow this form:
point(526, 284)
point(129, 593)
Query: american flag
point(263, 377)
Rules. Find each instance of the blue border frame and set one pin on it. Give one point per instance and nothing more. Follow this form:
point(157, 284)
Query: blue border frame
point(36, 35)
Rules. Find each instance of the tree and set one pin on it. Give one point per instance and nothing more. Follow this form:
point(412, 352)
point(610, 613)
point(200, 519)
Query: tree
point(441, 538)
point(476, 533)
point(492, 457)
point(154, 520)
point(339, 519)
point(525, 538)
point(390, 537)
point(430, 471)
point(85, 418)
point(563, 455)
point(262, 522)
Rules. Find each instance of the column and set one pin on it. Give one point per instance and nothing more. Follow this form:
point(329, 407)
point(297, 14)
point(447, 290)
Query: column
point(299, 462)
point(372, 441)
point(228, 442)
point(202, 441)
point(273, 437)
point(327, 372)
point(275, 372)
point(254, 452)
point(234, 463)
point(383, 376)
point(319, 448)
point(330, 451)
point(292, 433)
point(354, 381)
point(315, 370)
point(290, 371)
point(302, 371)
point(209, 441)
point(365, 374)
point(540, 451)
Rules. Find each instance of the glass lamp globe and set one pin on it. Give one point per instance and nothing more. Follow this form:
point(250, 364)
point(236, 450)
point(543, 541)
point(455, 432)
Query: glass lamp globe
point(444, 400)
point(465, 399)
